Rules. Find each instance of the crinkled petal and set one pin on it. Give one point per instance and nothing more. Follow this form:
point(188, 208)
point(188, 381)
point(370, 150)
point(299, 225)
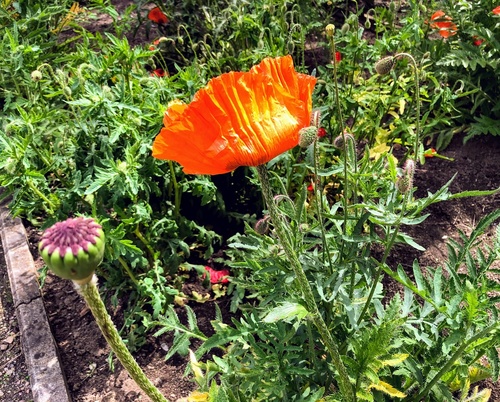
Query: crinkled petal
point(238, 119)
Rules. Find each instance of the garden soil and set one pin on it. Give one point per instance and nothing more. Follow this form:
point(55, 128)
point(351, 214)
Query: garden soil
point(84, 353)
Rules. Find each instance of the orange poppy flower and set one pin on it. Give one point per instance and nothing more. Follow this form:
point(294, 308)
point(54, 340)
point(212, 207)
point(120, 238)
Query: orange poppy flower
point(156, 15)
point(496, 10)
point(238, 119)
point(443, 22)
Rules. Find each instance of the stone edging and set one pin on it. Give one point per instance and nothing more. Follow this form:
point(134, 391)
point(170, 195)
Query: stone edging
point(48, 383)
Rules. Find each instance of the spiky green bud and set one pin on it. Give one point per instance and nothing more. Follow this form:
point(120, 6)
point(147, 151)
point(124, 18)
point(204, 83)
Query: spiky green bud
point(385, 65)
point(74, 248)
point(307, 136)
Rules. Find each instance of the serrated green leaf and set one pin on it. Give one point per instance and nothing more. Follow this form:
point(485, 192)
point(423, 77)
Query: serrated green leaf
point(286, 312)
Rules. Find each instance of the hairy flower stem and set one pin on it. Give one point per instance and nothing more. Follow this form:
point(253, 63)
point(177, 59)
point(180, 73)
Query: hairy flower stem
point(307, 294)
point(417, 99)
point(90, 293)
point(177, 190)
point(319, 204)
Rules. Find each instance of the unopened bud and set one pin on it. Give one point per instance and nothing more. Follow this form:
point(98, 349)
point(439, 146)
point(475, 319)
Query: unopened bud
point(384, 66)
point(405, 182)
point(330, 30)
point(339, 141)
point(307, 136)
point(73, 249)
point(36, 75)
point(315, 118)
point(345, 28)
point(262, 225)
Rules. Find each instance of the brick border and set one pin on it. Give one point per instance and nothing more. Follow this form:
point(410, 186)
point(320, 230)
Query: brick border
point(48, 383)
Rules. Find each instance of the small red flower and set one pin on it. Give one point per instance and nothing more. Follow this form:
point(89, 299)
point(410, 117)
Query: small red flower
point(310, 187)
point(159, 72)
point(154, 45)
point(156, 15)
point(477, 41)
point(496, 10)
point(217, 276)
point(321, 132)
point(338, 57)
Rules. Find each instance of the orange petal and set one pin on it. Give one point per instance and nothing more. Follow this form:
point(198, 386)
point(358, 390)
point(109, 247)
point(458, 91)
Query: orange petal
point(437, 15)
point(238, 119)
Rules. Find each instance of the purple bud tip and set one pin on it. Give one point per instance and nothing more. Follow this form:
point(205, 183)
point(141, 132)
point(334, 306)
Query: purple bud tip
point(71, 235)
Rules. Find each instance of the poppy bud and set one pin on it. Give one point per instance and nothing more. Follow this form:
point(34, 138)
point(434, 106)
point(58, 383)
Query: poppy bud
point(307, 136)
point(338, 142)
point(36, 75)
point(330, 30)
point(347, 144)
point(262, 225)
point(74, 248)
point(315, 118)
point(384, 66)
point(405, 183)
point(345, 28)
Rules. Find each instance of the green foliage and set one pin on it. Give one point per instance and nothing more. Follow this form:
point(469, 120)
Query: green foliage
point(468, 61)
point(79, 115)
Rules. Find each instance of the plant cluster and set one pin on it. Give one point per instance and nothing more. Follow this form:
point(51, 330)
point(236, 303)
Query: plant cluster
point(82, 127)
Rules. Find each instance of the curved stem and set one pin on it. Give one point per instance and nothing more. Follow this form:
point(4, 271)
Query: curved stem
point(90, 293)
point(306, 290)
point(417, 100)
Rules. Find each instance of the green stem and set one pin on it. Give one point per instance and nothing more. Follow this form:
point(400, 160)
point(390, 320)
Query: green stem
point(307, 293)
point(382, 262)
point(177, 195)
point(91, 295)
point(453, 359)
point(127, 269)
point(144, 241)
point(417, 100)
point(319, 205)
point(51, 206)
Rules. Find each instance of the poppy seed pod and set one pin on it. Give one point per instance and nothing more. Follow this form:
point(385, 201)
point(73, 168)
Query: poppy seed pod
point(74, 248)
point(385, 65)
